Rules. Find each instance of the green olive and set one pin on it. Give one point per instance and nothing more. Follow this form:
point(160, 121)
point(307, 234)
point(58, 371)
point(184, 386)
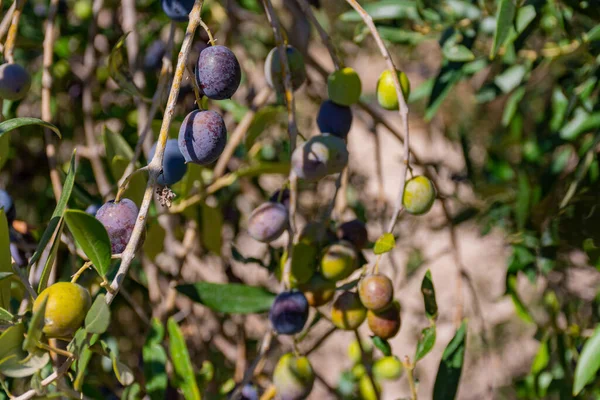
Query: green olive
point(344, 87)
point(419, 195)
point(66, 307)
point(386, 90)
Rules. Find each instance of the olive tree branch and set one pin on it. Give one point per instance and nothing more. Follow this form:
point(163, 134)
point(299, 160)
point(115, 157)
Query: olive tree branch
point(63, 369)
point(403, 109)
point(155, 165)
point(162, 83)
point(48, 45)
point(5, 24)
point(9, 45)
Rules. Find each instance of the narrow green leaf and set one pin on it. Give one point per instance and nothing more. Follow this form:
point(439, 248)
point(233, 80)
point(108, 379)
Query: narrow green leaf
point(119, 71)
point(541, 359)
point(458, 53)
point(383, 345)
point(385, 10)
point(384, 244)
point(16, 123)
point(581, 122)
point(4, 275)
point(34, 332)
point(229, 298)
point(155, 359)
point(6, 316)
point(91, 236)
point(504, 22)
point(588, 363)
point(57, 214)
point(50, 258)
point(122, 372)
point(181, 362)
point(98, 317)
point(116, 145)
point(5, 261)
point(428, 291)
point(11, 340)
point(426, 342)
point(4, 149)
point(593, 34)
point(448, 375)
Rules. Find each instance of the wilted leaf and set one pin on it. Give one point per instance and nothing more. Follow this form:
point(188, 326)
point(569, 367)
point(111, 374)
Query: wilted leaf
point(428, 291)
point(231, 298)
point(119, 71)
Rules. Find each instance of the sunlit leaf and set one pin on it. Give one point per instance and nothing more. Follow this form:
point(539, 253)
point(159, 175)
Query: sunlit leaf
point(15, 123)
point(184, 370)
point(385, 243)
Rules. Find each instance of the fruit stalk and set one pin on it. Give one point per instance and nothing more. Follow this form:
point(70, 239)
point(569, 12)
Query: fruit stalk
point(155, 165)
point(409, 367)
point(287, 81)
point(46, 96)
point(403, 107)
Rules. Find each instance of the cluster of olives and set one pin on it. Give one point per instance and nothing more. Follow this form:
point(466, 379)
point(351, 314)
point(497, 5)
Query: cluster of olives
point(385, 368)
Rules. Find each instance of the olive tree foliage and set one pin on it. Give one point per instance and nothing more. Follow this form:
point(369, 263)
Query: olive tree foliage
point(162, 313)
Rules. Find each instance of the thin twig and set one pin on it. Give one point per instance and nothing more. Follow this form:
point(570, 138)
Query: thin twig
point(287, 79)
point(9, 45)
point(63, 369)
point(403, 109)
point(49, 39)
point(262, 351)
point(409, 367)
point(155, 165)
point(337, 62)
point(89, 61)
point(5, 24)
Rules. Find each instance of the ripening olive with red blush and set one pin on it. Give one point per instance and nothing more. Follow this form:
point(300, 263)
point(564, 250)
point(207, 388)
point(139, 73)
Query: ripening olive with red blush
point(376, 291)
point(385, 323)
